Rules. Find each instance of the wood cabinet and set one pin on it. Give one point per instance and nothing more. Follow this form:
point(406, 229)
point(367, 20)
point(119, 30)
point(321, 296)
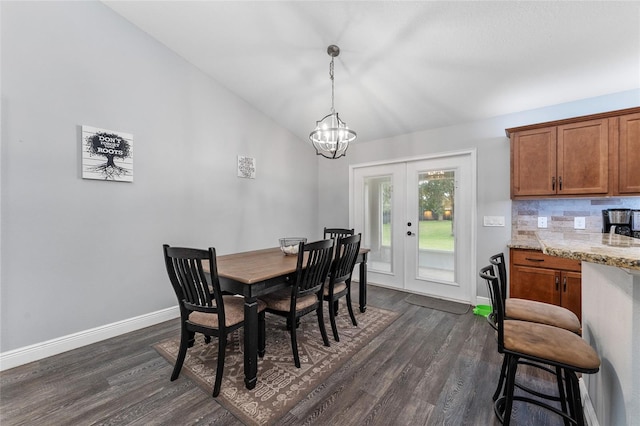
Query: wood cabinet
point(628, 155)
point(595, 155)
point(536, 276)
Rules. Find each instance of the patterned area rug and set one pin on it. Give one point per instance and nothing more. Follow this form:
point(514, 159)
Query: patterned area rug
point(280, 384)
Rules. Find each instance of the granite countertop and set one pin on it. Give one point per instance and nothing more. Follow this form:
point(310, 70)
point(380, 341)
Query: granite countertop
point(527, 242)
point(605, 249)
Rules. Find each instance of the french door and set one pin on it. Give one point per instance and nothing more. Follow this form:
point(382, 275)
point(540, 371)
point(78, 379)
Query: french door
point(416, 217)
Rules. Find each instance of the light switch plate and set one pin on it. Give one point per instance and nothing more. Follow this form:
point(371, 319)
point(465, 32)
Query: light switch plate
point(579, 223)
point(542, 222)
point(493, 220)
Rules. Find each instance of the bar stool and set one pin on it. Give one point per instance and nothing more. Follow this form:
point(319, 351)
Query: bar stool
point(564, 352)
point(530, 311)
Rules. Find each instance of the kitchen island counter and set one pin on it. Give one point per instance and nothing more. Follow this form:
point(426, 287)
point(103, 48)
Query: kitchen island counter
point(610, 319)
point(604, 249)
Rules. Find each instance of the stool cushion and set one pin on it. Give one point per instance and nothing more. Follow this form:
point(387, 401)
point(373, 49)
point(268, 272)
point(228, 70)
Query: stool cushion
point(233, 313)
point(543, 313)
point(281, 300)
point(550, 343)
point(337, 288)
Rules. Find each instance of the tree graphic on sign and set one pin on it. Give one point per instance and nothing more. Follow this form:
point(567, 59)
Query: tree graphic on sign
point(109, 146)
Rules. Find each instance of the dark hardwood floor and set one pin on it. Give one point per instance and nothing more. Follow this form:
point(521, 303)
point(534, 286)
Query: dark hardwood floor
point(428, 368)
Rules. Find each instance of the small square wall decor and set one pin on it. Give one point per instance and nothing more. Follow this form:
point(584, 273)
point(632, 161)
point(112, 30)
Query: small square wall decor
point(246, 167)
point(107, 155)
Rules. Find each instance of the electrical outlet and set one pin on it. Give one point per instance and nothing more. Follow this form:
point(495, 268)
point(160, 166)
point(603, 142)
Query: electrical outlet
point(542, 222)
point(579, 223)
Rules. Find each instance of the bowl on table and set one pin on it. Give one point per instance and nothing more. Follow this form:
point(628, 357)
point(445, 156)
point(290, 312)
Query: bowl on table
point(289, 245)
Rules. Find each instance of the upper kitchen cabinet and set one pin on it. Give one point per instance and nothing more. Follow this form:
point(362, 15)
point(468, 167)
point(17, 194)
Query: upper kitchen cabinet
point(628, 153)
point(583, 158)
point(596, 155)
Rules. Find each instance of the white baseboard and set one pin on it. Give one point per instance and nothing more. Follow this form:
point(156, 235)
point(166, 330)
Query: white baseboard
point(56, 346)
point(480, 300)
point(589, 412)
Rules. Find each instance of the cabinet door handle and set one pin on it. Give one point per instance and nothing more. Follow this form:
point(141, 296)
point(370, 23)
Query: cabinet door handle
point(557, 283)
point(564, 284)
point(530, 259)
point(560, 183)
point(553, 183)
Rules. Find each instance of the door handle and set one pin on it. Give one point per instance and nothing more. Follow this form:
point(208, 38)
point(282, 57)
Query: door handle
point(564, 283)
point(553, 183)
point(557, 283)
point(409, 233)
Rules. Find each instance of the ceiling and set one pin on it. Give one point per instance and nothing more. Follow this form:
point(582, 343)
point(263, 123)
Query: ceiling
point(404, 66)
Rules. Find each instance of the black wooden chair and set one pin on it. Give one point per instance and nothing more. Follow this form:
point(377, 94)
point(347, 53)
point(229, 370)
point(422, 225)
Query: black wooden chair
point(203, 308)
point(339, 284)
point(566, 354)
point(305, 295)
point(335, 233)
point(531, 311)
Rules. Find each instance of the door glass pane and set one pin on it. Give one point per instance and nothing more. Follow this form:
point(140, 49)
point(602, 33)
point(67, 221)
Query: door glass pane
point(436, 242)
point(377, 222)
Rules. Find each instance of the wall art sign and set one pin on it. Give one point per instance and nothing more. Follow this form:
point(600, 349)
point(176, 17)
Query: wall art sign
point(107, 155)
point(246, 167)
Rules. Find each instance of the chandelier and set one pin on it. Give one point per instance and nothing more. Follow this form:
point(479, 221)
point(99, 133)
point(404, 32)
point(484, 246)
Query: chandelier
point(332, 136)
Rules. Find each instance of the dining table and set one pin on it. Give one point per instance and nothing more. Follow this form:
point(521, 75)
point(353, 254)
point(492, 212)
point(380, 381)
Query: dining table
point(252, 274)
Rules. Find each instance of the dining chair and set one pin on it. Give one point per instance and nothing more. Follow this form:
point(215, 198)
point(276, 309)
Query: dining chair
point(335, 233)
point(339, 283)
point(305, 295)
point(203, 307)
point(531, 311)
point(523, 342)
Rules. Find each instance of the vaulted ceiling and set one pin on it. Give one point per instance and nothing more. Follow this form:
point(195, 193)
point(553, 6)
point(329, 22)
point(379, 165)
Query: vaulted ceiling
point(404, 66)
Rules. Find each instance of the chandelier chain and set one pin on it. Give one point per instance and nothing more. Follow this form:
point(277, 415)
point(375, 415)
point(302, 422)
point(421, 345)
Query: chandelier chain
point(331, 76)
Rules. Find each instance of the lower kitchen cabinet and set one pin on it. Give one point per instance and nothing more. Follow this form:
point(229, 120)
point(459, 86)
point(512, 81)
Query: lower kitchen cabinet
point(549, 279)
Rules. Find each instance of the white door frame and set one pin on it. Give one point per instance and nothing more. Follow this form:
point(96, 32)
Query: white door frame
point(473, 234)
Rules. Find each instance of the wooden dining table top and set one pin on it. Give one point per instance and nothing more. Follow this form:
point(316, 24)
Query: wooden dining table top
point(256, 266)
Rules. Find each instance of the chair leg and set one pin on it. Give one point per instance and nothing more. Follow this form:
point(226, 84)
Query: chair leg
point(511, 384)
point(222, 346)
point(332, 320)
point(562, 396)
point(323, 330)
point(503, 372)
point(186, 338)
point(294, 344)
point(350, 308)
point(262, 328)
point(573, 394)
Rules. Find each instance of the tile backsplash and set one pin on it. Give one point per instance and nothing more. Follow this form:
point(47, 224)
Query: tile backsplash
point(560, 213)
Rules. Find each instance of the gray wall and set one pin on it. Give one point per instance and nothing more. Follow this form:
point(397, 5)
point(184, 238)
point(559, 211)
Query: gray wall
point(78, 254)
point(486, 136)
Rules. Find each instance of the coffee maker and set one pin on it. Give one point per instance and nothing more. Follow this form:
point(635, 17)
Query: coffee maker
point(635, 223)
point(617, 221)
